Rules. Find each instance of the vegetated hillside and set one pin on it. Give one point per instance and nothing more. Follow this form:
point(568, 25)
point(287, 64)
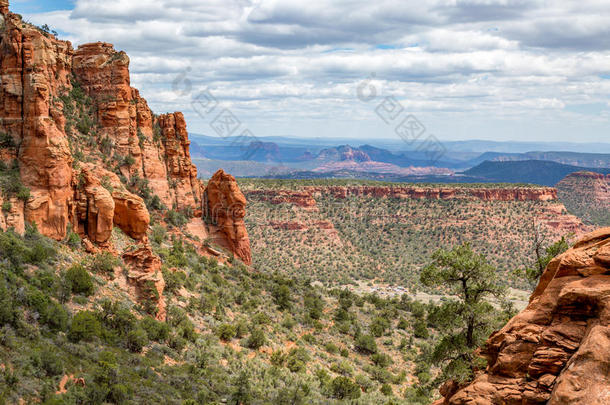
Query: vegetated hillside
point(528, 171)
point(332, 232)
point(71, 333)
point(587, 195)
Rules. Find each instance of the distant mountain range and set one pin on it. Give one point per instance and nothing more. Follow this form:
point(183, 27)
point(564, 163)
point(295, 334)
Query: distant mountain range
point(541, 172)
point(466, 161)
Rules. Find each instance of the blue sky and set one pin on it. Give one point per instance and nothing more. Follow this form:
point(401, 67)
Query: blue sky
point(468, 69)
point(36, 6)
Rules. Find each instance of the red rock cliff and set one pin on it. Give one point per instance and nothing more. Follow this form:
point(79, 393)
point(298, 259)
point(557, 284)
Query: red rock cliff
point(556, 350)
point(81, 138)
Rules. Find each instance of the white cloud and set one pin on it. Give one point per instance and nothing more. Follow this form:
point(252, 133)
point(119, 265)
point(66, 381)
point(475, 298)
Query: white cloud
point(277, 62)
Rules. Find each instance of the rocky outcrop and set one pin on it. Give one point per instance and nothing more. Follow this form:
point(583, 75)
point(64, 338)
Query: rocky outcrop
point(42, 78)
point(146, 280)
point(556, 350)
point(94, 207)
point(182, 173)
point(159, 146)
point(102, 206)
point(225, 208)
point(34, 66)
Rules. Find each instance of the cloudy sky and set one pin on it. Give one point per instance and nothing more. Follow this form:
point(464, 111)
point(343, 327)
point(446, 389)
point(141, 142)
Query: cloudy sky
point(468, 69)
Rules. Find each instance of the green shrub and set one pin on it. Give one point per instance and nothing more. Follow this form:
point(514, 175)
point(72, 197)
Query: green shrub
point(136, 340)
point(79, 280)
point(386, 389)
point(420, 329)
point(297, 359)
point(72, 239)
point(226, 331)
point(51, 363)
point(257, 339)
point(331, 348)
point(6, 140)
point(159, 233)
point(56, 317)
point(261, 318)
point(104, 263)
point(176, 218)
point(366, 344)
point(379, 326)
point(345, 388)
point(278, 358)
point(85, 326)
point(157, 331)
point(381, 359)
point(281, 295)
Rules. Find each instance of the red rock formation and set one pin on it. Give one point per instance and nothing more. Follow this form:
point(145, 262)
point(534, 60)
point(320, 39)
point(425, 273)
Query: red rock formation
point(159, 146)
point(303, 199)
point(146, 279)
point(34, 67)
point(98, 209)
point(94, 207)
point(556, 350)
point(37, 69)
point(225, 207)
point(181, 171)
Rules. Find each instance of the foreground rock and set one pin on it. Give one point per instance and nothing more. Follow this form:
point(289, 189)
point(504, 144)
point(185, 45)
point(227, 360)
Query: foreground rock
point(557, 350)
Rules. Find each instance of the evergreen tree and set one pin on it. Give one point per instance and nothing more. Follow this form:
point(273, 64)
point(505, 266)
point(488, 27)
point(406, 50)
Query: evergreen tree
point(465, 321)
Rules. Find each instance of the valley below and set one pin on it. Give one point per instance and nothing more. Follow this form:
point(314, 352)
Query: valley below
point(340, 231)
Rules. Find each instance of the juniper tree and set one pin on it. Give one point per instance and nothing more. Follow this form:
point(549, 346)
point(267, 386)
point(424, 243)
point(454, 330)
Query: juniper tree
point(466, 319)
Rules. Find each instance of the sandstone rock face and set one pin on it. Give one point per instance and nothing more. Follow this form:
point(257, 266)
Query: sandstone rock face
point(38, 71)
point(447, 193)
point(100, 207)
point(159, 145)
point(146, 279)
point(34, 67)
point(181, 171)
point(225, 207)
point(95, 207)
point(556, 350)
